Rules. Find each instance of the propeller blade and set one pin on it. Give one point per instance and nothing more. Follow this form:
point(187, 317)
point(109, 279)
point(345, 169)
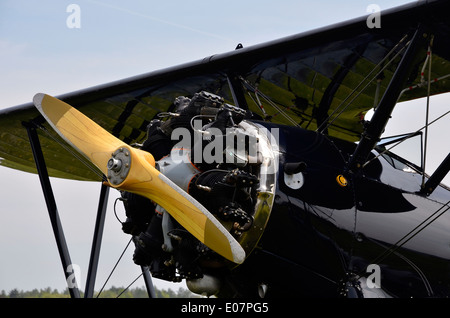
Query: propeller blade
point(133, 170)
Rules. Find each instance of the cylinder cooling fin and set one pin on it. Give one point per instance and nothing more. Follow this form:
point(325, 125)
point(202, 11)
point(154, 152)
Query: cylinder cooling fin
point(226, 163)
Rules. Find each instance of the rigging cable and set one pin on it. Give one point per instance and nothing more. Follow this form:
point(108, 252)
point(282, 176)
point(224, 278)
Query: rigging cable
point(126, 288)
point(419, 228)
point(114, 268)
point(102, 176)
point(405, 138)
point(257, 92)
point(421, 274)
point(427, 111)
point(76, 155)
point(258, 102)
point(326, 123)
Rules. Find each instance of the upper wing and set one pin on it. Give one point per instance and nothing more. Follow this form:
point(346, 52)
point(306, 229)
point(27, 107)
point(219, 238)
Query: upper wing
point(304, 80)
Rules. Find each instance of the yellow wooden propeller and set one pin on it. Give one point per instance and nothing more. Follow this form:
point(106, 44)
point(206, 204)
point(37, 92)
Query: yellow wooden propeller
point(133, 170)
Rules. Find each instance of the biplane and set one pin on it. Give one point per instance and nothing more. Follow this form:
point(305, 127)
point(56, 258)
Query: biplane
point(244, 172)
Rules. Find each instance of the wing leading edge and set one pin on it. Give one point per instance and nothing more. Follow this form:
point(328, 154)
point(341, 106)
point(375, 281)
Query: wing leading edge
point(301, 80)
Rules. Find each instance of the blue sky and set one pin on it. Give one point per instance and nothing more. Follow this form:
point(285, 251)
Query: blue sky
point(118, 39)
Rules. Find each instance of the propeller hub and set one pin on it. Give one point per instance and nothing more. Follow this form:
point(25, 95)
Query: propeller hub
point(119, 166)
point(114, 164)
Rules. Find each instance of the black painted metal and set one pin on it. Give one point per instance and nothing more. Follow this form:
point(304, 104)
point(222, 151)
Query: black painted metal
point(97, 241)
point(58, 230)
point(148, 282)
point(321, 238)
point(383, 112)
point(237, 92)
point(437, 176)
point(51, 206)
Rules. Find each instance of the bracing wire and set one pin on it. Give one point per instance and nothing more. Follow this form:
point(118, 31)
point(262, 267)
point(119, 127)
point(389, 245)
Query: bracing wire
point(405, 138)
point(114, 268)
point(327, 123)
point(76, 155)
point(336, 112)
point(411, 234)
point(427, 122)
point(126, 288)
point(267, 99)
point(95, 171)
point(427, 112)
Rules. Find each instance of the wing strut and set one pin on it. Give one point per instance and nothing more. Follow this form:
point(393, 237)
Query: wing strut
point(437, 176)
point(237, 92)
point(58, 229)
point(96, 242)
point(52, 208)
point(383, 112)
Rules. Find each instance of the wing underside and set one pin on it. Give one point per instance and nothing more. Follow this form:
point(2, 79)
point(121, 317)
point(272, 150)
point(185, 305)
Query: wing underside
point(304, 80)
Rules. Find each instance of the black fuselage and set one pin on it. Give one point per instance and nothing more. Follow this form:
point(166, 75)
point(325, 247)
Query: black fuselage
point(322, 238)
